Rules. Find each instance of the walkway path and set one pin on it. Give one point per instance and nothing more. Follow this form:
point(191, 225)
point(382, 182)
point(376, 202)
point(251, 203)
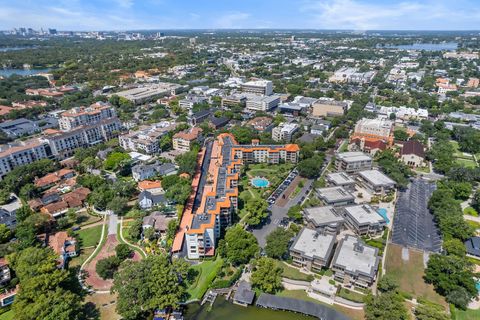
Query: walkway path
point(99, 246)
point(130, 244)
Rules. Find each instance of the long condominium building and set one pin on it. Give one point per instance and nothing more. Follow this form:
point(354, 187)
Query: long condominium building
point(22, 153)
point(84, 116)
point(215, 191)
point(379, 129)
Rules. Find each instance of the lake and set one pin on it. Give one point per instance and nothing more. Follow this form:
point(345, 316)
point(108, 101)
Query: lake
point(22, 72)
point(15, 48)
point(449, 46)
point(223, 309)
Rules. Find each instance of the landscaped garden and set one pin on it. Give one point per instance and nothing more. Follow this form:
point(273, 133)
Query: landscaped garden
point(274, 173)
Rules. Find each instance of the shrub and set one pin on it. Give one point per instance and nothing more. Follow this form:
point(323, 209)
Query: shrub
point(105, 268)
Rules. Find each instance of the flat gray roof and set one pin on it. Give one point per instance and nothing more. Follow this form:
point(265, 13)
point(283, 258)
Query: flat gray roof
point(364, 214)
point(356, 257)
point(322, 215)
point(353, 156)
point(313, 244)
point(340, 178)
point(335, 194)
point(376, 178)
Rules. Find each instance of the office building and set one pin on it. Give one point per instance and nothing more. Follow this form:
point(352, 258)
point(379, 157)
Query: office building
point(341, 179)
point(312, 250)
point(355, 263)
point(353, 162)
point(364, 220)
point(263, 87)
point(284, 132)
point(262, 103)
point(149, 92)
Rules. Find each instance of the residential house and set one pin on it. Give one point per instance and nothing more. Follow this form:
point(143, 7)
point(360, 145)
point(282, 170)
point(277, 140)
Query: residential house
point(8, 211)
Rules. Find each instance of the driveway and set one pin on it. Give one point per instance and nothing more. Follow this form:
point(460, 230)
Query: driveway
point(112, 224)
point(278, 213)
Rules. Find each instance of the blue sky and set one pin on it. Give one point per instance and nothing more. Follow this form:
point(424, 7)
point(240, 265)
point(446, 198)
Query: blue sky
point(221, 14)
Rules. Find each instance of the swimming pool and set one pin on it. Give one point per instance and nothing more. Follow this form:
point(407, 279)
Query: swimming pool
point(260, 182)
point(478, 285)
point(383, 213)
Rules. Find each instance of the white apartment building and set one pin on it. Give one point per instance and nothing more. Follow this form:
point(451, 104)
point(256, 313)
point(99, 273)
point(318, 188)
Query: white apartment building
point(183, 140)
point(84, 116)
point(284, 132)
point(262, 103)
point(264, 87)
point(64, 143)
point(22, 153)
point(381, 128)
point(146, 139)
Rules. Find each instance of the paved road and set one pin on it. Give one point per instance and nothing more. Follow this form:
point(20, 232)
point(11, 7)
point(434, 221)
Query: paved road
point(278, 213)
point(112, 224)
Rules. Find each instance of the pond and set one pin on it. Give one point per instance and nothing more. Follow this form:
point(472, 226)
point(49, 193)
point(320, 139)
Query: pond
point(260, 182)
point(449, 46)
point(22, 72)
point(223, 309)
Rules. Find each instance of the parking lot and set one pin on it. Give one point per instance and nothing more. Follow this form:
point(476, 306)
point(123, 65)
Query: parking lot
point(413, 224)
point(280, 191)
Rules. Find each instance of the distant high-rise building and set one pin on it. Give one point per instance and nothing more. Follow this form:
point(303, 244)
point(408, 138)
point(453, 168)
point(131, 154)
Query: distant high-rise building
point(52, 31)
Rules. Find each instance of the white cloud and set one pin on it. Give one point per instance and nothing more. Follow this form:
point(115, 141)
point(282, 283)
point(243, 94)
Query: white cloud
point(362, 15)
point(124, 3)
point(232, 20)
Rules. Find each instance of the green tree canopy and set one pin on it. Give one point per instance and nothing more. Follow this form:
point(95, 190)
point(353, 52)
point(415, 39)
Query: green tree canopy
point(256, 210)
point(277, 243)
point(267, 276)
point(239, 245)
point(150, 284)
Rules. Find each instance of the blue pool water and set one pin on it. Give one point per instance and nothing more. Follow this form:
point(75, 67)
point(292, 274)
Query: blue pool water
point(478, 286)
point(260, 182)
point(383, 213)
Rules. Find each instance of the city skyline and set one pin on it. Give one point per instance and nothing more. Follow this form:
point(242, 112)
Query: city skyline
point(215, 14)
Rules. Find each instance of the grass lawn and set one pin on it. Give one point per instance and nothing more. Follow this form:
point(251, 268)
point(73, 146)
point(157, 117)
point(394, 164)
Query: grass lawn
point(302, 295)
point(7, 315)
point(105, 303)
point(470, 211)
point(351, 295)
point(293, 273)
point(207, 271)
point(78, 260)
point(474, 224)
point(466, 162)
point(409, 274)
point(89, 237)
point(83, 218)
point(463, 315)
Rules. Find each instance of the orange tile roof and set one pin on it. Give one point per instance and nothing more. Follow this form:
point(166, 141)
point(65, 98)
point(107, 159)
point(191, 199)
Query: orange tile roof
point(146, 185)
point(5, 110)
